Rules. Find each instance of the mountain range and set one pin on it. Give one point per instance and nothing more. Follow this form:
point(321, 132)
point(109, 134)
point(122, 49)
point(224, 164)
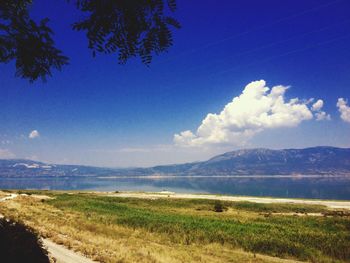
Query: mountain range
point(322, 160)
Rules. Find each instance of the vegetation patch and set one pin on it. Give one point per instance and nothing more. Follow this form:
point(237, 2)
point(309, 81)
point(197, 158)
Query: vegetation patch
point(109, 229)
point(321, 239)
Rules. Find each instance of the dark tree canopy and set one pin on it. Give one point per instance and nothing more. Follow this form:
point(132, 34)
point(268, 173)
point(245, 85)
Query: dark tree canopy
point(128, 28)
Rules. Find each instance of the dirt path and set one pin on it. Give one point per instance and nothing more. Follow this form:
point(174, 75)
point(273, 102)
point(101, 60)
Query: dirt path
point(64, 255)
point(264, 200)
point(11, 196)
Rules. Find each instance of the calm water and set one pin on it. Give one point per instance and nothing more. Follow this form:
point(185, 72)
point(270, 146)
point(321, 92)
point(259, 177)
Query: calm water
point(323, 188)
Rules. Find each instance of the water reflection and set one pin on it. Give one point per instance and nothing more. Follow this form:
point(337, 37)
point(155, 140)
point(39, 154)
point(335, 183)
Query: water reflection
point(324, 188)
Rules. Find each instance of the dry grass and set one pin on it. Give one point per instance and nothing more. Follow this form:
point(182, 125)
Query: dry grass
point(3, 194)
point(110, 242)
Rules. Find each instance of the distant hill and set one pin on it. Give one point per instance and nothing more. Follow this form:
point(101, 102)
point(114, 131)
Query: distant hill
point(316, 161)
point(26, 168)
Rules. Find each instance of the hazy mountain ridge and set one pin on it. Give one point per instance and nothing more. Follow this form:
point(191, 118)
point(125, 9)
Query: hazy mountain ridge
point(316, 160)
point(25, 168)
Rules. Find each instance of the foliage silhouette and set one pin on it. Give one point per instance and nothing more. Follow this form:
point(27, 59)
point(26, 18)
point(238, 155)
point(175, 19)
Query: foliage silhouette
point(132, 28)
point(19, 243)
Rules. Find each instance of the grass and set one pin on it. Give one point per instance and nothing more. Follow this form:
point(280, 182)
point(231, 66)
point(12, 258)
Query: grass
point(302, 238)
point(189, 230)
point(3, 194)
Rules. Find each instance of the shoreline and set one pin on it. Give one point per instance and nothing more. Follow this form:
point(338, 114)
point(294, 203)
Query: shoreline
point(220, 176)
point(333, 204)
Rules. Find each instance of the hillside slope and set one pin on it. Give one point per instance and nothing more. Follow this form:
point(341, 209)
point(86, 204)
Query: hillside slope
point(309, 161)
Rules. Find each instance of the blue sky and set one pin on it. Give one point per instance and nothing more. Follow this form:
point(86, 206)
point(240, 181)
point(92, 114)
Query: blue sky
point(100, 113)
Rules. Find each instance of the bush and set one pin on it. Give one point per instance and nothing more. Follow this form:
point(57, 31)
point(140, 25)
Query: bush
point(218, 207)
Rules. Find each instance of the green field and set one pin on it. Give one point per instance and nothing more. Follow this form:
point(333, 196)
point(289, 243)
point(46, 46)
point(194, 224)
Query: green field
point(110, 229)
point(241, 224)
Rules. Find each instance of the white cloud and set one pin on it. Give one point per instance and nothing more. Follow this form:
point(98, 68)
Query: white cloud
point(34, 134)
point(258, 108)
point(6, 154)
point(344, 109)
point(319, 114)
point(317, 105)
point(322, 116)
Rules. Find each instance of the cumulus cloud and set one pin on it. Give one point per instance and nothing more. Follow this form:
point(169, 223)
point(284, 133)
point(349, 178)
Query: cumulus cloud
point(344, 109)
point(322, 116)
point(257, 108)
point(34, 134)
point(6, 154)
point(319, 114)
point(317, 105)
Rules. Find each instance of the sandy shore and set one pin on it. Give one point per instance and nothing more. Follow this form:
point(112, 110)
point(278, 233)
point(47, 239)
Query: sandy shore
point(333, 204)
point(265, 200)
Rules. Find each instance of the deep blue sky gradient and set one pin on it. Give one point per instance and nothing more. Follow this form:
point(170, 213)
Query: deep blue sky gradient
point(95, 107)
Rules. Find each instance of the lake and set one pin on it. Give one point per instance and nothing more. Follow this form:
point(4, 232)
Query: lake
point(298, 187)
